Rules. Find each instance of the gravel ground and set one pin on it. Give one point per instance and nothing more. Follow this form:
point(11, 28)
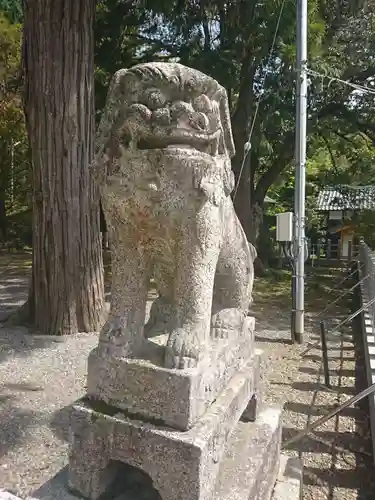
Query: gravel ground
point(41, 376)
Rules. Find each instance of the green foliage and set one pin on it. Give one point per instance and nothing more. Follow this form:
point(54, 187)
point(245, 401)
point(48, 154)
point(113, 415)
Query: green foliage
point(14, 162)
point(117, 44)
point(12, 9)
point(10, 44)
point(366, 227)
point(231, 42)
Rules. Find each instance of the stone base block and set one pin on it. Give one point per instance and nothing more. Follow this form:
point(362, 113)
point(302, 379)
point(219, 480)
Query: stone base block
point(248, 470)
point(256, 402)
point(177, 398)
point(182, 465)
point(251, 464)
point(290, 479)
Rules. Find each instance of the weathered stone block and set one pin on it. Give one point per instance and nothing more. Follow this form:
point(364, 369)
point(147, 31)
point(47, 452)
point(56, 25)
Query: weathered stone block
point(247, 470)
point(290, 479)
point(256, 402)
point(178, 398)
point(6, 495)
point(182, 465)
point(251, 462)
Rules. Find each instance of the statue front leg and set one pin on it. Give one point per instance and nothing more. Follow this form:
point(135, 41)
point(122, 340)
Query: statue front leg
point(198, 250)
point(122, 335)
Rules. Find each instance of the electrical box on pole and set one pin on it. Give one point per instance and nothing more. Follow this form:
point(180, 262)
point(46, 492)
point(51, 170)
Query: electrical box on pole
point(284, 226)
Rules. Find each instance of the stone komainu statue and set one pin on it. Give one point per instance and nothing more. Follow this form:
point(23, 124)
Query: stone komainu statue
point(163, 164)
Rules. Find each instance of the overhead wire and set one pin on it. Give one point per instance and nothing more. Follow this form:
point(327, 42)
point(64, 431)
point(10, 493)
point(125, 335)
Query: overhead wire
point(331, 78)
point(247, 146)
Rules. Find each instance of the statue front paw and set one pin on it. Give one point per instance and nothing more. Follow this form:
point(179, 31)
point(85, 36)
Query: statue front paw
point(184, 349)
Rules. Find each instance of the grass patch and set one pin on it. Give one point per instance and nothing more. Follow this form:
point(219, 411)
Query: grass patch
point(274, 288)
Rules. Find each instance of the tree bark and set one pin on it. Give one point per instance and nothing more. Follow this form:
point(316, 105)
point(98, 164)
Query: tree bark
point(241, 121)
point(67, 292)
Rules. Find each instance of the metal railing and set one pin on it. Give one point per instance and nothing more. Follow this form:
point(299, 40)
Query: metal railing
point(367, 259)
point(366, 271)
point(311, 427)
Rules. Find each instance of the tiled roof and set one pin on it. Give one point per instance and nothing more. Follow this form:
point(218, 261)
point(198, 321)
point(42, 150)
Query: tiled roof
point(346, 198)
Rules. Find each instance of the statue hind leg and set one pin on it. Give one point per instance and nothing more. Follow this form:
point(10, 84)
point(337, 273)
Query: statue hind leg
point(233, 279)
point(163, 311)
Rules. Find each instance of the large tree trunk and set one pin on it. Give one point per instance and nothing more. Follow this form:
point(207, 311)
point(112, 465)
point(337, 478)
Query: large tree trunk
point(244, 171)
point(66, 293)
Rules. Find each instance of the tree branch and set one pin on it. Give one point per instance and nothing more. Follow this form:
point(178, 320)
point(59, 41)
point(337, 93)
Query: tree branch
point(328, 146)
point(173, 48)
point(358, 77)
point(340, 110)
point(268, 178)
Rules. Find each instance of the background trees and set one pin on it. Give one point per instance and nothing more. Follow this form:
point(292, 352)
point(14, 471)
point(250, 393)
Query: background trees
point(14, 161)
point(229, 40)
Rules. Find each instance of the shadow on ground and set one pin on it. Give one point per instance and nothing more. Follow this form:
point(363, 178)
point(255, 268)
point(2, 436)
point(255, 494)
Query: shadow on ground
point(14, 422)
point(60, 422)
point(338, 455)
point(13, 293)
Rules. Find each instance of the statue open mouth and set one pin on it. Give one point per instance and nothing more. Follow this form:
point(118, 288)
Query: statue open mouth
point(182, 139)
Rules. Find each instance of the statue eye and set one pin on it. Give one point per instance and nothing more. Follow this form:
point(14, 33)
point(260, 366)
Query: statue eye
point(154, 99)
point(140, 110)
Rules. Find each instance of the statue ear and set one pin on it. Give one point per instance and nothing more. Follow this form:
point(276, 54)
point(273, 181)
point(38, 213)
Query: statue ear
point(226, 123)
point(113, 107)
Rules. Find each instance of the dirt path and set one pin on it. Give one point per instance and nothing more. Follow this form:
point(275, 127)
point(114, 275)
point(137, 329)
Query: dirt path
point(41, 376)
point(14, 280)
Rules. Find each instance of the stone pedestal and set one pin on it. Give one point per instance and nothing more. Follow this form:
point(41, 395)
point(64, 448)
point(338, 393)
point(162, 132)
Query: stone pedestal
point(198, 434)
point(177, 398)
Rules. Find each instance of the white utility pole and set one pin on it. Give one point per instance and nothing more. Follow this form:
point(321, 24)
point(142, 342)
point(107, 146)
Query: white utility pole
point(299, 197)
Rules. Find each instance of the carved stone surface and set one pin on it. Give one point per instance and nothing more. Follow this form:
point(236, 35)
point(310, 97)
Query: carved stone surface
point(5, 495)
point(175, 397)
point(289, 484)
point(256, 402)
point(182, 465)
point(247, 470)
point(251, 462)
point(163, 164)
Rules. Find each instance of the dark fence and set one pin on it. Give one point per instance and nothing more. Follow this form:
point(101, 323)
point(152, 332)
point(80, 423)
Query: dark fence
point(326, 250)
